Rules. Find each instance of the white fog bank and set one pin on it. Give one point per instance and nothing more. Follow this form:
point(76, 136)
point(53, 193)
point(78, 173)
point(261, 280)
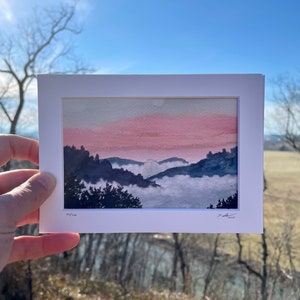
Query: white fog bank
point(183, 191)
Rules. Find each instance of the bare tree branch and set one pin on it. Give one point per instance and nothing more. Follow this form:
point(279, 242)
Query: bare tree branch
point(287, 112)
point(4, 92)
point(243, 262)
point(262, 276)
point(34, 49)
point(212, 266)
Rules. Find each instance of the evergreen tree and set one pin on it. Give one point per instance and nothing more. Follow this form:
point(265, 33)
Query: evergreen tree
point(78, 197)
point(73, 189)
point(230, 203)
point(117, 197)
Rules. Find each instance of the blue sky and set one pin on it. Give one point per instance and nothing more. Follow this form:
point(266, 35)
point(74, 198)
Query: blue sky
point(193, 36)
point(182, 36)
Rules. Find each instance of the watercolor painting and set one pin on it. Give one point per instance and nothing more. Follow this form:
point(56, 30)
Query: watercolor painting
point(150, 153)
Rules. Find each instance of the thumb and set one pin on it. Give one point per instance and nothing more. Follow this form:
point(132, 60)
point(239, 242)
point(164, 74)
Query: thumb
point(26, 198)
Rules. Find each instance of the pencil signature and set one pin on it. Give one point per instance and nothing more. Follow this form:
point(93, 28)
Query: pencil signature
point(71, 215)
point(227, 215)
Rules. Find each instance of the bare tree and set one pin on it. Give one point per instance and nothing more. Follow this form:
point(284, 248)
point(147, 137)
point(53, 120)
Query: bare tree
point(181, 257)
point(262, 274)
point(212, 266)
point(284, 279)
point(286, 117)
point(43, 45)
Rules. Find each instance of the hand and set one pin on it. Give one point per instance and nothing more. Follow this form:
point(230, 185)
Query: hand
point(22, 192)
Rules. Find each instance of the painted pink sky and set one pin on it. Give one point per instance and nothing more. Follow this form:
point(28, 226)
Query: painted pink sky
point(158, 136)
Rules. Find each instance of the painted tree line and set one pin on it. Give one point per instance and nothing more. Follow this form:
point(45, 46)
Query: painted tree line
point(76, 196)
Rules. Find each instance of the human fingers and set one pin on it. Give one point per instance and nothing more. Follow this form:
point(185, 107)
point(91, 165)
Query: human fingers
point(6, 241)
point(11, 179)
point(24, 199)
point(33, 247)
point(32, 218)
point(14, 146)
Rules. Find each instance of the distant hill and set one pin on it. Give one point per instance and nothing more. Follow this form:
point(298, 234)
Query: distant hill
point(123, 161)
point(275, 142)
point(220, 163)
point(173, 159)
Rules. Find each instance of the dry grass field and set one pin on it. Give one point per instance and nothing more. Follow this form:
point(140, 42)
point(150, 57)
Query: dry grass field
point(282, 171)
point(282, 197)
point(282, 203)
point(281, 212)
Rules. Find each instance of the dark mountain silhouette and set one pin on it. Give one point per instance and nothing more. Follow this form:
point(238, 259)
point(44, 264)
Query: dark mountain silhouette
point(220, 163)
point(123, 161)
point(82, 165)
point(173, 159)
point(91, 169)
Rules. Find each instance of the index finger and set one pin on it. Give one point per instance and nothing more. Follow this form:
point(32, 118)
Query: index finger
point(14, 146)
point(25, 199)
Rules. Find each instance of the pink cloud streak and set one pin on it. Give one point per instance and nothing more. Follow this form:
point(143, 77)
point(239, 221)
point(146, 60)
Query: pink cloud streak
point(158, 136)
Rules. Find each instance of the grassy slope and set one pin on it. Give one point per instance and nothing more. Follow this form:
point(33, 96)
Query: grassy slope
point(282, 171)
point(282, 197)
point(281, 211)
point(282, 203)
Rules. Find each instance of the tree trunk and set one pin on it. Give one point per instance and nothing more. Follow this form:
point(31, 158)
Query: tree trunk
point(13, 126)
point(184, 266)
point(262, 276)
point(211, 267)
